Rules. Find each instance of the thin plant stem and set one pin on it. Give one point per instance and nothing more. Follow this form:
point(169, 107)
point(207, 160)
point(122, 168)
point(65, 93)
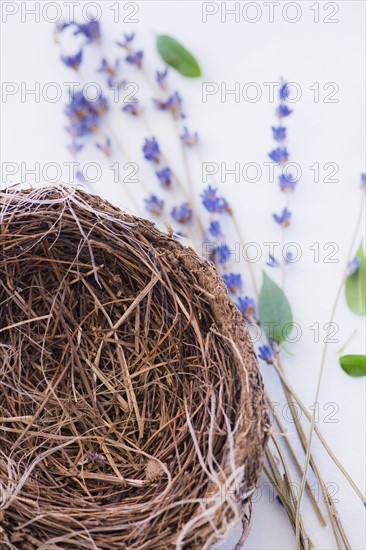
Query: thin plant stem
point(357, 226)
point(283, 242)
point(298, 427)
point(312, 422)
point(341, 350)
point(320, 435)
point(321, 371)
point(313, 465)
point(298, 466)
point(293, 497)
point(185, 162)
point(122, 149)
point(284, 489)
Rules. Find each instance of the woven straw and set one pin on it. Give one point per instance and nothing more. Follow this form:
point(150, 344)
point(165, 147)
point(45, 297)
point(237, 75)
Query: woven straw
point(132, 408)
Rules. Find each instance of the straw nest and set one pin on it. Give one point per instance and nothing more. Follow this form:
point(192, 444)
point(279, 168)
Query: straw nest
point(132, 409)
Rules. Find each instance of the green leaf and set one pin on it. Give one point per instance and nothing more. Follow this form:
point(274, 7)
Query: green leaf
point(275, 313)
point(176, 56)
point(353, 365)
point(355, 287)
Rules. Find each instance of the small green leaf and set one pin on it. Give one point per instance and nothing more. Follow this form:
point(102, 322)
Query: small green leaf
point(354, 365)
point(176, 56)
point(355, 287)
point(274, 310)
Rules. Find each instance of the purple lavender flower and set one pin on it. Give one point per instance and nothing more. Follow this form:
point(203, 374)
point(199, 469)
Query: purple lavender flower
point(90, 30)
point(132, 109)
point(182, 213)
point(100, 105)
point(135, 58)
point(284, 91)
point(279, 155)
point(165, 177)
point(80, 176)
point(188, 138)
point(363, 179)
point(214, 203)
point(73, 61)
point(151, 150)
point(289, 257)
point(105, 147)
point(246, 306)
point(287, 182)
point(279, 133)
point(173, 104)
point(353, 266)
point(128, 39)
point(284, 218)
point(215, 229)
point(161, 77)
point(84, 115)
point(109, 70)
point(74, 147)
point(154, 205)
point(265, 353)
point(233, 282)
point(283, 111)
point(222, 253)
point(62, 25)
point(272, 262)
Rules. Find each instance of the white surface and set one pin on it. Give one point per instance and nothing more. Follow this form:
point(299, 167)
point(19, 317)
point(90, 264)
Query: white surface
point(303, 52)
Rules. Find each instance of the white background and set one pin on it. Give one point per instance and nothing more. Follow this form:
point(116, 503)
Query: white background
point(304, 52)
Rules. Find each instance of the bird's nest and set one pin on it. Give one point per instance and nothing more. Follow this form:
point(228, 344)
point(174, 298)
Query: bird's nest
point(132, 412)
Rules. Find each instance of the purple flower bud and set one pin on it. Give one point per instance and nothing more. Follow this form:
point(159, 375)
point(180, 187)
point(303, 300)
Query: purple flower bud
point(222, 253)
point(353, 266)
point(215, 229)
point(246, 306)
point(182, 213)
point(173, 104)
point(135, 58)
point(272, 262)
point(212, 202)
point(90, 30)
point(75, 147)
point(154, 205)
point(105, 147)
point(363, 180)
point(151, 150)
point(132, 109)
point(165, 177)
point(73, 61)
point(284, 91)
point(279, 155)
point(279, 133)
point(284, 218)
point(233, 282)
point(161, 77)
point(265, 353)
point(283, 111)
point(287, 183)
point(188, 138)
